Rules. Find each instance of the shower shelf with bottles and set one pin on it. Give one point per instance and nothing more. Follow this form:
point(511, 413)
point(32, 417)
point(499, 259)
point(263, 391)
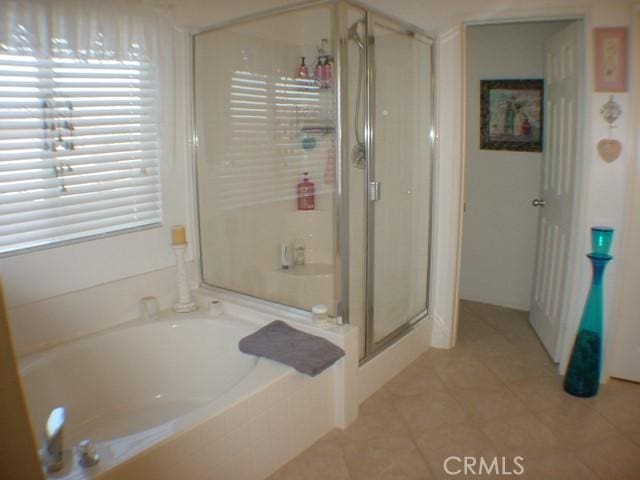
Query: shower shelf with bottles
point(318, 86)
point(313, 106)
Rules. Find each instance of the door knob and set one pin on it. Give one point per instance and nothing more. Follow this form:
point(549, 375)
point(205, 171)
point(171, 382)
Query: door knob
point(538, 202)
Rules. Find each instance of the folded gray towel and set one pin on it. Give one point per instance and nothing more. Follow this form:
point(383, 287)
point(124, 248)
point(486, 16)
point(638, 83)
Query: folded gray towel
point(278, 341)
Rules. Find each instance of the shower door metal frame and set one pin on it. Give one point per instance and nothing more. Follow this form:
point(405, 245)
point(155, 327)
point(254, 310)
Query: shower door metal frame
point(341, 238)
point(373, 347)
point(341, 220)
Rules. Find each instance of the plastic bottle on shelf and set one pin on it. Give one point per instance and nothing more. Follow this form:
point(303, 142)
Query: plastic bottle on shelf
point(303, 72)
point(326, 60)
point(328, 73)
point(306, 194)
point(319, 72)
point(298, 251)
point(320, 315)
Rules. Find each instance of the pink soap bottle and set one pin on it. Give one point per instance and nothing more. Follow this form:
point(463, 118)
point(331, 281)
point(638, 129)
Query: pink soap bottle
point(328, 73)
point(306, 194)
point(319, 75)
point(303, 72)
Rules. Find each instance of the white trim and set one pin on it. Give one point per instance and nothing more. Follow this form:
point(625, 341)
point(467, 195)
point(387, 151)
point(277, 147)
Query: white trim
point(440, 333)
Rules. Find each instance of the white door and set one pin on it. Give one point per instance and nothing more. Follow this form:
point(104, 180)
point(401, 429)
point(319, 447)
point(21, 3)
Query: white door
point(556, 192)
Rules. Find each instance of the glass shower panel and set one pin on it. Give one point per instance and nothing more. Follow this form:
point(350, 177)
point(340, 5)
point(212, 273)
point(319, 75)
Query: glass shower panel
point(262, 127)
point(402, 166)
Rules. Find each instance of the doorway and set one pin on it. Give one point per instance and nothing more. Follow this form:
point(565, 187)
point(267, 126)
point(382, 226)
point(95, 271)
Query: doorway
point(518, 202)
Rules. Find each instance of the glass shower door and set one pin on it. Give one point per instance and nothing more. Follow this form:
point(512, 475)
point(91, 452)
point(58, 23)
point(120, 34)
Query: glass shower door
point(399, 141)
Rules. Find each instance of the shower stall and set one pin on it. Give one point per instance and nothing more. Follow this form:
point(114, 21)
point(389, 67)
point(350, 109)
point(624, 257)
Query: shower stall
point(314, 155)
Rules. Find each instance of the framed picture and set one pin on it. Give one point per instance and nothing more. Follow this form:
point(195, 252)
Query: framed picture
point(511, 115)
point(610, 47)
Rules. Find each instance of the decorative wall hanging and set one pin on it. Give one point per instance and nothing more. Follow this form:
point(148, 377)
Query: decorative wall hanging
point(511, 115)
point(610, 149)
point(610, 46)
point(583, 373)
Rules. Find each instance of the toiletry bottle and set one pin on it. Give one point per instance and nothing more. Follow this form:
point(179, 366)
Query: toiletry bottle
point(319, 72)
point(320, 315)
point(303, 72)
point(327, 72)
point(327, 67)
point(285, 256)
point(306, 194)
point(298, 251)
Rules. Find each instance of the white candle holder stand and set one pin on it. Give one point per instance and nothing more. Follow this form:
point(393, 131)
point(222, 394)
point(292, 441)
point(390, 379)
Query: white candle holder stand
point(184, 303)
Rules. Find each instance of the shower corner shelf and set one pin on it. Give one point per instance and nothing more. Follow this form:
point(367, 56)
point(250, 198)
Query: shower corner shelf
point(322, 130)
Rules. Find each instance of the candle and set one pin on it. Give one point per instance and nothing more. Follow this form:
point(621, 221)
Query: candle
point(178, 235)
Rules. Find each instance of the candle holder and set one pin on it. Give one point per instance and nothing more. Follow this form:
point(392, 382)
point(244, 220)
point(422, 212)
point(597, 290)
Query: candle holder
point(184, 303)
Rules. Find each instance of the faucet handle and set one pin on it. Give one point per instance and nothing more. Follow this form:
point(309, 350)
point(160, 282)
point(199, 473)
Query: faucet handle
point(52, 453)
point(55, 422)
point(88, 453)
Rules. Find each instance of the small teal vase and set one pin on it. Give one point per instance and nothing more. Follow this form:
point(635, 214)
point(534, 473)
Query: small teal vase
point(583, 374)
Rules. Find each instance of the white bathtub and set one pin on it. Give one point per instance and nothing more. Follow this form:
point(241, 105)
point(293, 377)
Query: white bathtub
point(175, 398)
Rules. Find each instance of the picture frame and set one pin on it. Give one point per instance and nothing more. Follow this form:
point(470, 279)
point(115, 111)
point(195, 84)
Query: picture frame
point(511, 114)
point(611, 59)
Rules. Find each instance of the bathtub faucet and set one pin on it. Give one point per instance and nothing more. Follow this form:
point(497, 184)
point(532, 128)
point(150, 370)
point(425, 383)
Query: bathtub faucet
point(52, 451)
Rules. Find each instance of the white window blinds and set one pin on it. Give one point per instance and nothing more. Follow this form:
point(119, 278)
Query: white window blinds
point(78, 149)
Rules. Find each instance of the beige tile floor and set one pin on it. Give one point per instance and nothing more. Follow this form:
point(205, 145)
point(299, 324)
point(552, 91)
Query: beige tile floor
point(495, 395)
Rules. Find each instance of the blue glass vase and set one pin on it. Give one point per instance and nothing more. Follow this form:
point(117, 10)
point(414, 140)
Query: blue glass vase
point(583, 374)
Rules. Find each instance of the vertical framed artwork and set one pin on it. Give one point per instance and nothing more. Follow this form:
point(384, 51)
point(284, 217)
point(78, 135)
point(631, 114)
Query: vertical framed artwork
point(511, 115)
point(610, 47)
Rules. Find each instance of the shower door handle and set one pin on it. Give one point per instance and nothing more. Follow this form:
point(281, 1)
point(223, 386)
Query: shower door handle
point(374, 191)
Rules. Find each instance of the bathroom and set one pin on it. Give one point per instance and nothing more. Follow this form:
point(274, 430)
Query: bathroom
point(234, 124)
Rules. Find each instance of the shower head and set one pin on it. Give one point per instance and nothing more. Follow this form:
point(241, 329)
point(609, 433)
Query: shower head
point(355, 35)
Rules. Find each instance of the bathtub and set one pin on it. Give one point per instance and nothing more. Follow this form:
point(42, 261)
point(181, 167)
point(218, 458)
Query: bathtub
point(175, 398)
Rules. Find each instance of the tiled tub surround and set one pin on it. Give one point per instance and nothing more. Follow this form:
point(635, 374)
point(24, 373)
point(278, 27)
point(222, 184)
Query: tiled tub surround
point(175, 398)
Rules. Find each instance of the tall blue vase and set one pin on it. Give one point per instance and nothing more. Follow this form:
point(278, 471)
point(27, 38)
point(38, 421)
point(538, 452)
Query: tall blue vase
point(583, 374)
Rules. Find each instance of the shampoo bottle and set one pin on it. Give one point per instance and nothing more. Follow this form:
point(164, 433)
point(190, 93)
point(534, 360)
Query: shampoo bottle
point(319, 72)
point(327, 73)
point(303, 72)
point(306, 194)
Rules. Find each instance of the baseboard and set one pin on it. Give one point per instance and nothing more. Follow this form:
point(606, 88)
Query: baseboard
point(498, 303)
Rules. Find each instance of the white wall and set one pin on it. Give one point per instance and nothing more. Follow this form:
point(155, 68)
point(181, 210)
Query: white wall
point(59, 293)
point(500, 225)
point(624, 342)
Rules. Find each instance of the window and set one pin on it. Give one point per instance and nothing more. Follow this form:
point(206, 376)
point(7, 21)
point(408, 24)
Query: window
point(78, 149)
